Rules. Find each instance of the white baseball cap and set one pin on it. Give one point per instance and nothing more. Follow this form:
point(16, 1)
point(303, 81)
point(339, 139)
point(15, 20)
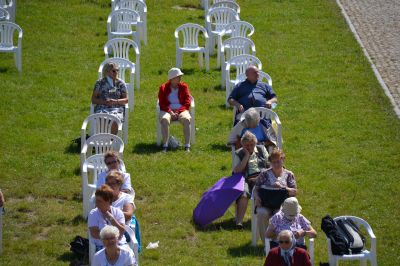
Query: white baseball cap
point(174, 72)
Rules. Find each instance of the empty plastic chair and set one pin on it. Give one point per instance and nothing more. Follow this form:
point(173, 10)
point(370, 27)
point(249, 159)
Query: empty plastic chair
point(230, 4)
point(140, 7)
point(190, 35)
point(126, 49)
point(124, 22)
point(239, 29)
point(7, 30)
point(10, 6)
point(233, 47)
point(240, 63)
point(216, 20)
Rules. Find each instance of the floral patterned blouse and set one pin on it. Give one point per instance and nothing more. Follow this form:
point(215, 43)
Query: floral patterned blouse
point(280, 223)
point(267, 179)
point(106, 91)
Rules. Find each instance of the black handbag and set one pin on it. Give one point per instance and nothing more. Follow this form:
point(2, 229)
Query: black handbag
point(272, 198)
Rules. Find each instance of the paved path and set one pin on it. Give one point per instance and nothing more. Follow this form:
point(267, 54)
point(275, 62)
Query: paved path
point(377, 23)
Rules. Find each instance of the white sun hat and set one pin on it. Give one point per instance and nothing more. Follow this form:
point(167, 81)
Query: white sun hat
point(174, 72)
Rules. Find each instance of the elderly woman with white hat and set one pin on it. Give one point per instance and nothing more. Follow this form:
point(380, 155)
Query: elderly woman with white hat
point(174, 100)
point(289, 218)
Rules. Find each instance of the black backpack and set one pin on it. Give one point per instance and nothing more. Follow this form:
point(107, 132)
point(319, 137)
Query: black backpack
point(80, 247)
point(344, 235)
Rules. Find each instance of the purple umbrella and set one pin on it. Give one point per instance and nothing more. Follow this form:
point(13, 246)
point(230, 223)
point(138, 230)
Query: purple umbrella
point(214, 202)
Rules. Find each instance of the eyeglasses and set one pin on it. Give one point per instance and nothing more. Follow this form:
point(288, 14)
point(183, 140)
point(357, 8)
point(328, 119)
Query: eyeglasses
point(111, 162)
point(112, 184)
point(115, 70)
point(284, 241)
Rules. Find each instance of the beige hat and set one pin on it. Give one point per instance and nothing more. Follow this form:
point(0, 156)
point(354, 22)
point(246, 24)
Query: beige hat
point(291, 208)
point(174, 72)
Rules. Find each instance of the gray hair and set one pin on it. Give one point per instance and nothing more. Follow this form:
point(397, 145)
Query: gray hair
point(248, 137)
point(251, 67)
point(286, 233)
point(107, 67)
point(109, 230)
point(251, 116)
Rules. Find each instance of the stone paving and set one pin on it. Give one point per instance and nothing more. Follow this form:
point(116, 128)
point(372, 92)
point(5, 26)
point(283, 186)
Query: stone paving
point(377, 23)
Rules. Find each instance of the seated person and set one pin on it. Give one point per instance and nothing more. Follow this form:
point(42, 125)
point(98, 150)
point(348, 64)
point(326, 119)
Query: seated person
point(275, 177)
point(174, 100)
point(287, 253)
point(251, 122)
point(105, 214)
point(109, 94)
point(111, 159)
point(249, 161)
point(112, 254)
point(289, 218)
point(251, 93)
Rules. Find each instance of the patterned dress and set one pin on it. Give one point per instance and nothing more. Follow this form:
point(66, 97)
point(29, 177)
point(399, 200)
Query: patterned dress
point(106, 91)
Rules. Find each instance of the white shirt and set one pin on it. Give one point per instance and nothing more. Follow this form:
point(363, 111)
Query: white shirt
point(126, 258)
point(97, 219)
point(174, 100)
point(121, 201)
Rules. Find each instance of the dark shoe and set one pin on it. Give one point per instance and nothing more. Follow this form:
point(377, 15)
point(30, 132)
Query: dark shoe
point(239, 226)
point(187, 149)
point(164, 149)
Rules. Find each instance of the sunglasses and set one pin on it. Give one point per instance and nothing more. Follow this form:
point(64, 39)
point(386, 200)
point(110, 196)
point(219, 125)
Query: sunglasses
point(284, 241)
point(111, 162)
point(115, 70)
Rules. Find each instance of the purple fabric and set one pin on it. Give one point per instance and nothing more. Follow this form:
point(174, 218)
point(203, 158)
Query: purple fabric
point(214, 202)
point(280, 223)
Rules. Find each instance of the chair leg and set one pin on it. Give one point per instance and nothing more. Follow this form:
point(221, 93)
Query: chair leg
point(219, 44)
point(207, 59)
point(178, 59)
point(254, 228)
point(200, 60)
point(373, 260)
point(18, 60)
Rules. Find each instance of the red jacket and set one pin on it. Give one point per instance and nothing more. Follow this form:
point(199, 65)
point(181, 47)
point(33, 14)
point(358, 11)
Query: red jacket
point(183, 95)
point(300, 258)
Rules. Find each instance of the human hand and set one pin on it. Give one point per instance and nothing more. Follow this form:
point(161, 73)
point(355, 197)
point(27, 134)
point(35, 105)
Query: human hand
point(278, 185)
point(174, 116)
point(258, 202)
point(299, 233)
point(268, 104)
point(240, 108)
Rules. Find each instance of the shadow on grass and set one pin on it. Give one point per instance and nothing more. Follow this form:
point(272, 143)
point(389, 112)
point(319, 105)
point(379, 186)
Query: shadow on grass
point(77, 220)
point(218, 88)
point(188, 71)
point(227, 225)
point(246, 250)
point(219, 147)
point(72, 258)
point(146, 148)
point(3, 69)
point(73, 147)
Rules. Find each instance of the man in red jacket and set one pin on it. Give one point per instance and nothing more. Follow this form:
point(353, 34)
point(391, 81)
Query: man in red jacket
point(174, 100)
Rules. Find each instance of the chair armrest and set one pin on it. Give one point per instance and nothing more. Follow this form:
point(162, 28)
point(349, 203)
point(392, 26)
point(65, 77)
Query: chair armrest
point(267, 246)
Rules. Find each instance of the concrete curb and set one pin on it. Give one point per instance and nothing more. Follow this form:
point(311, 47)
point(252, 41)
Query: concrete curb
point(376, 72)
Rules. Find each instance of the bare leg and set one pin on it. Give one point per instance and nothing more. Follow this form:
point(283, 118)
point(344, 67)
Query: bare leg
point(241, 207)
point(186, 131)
point(165, 131)
point(114, 128)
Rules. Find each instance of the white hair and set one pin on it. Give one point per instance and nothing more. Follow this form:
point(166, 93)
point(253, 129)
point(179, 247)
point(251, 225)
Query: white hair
point(109, 230)
point(286, 233)
point(251, 116)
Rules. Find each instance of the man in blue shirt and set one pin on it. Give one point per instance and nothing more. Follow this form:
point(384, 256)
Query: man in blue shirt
point(251, 92)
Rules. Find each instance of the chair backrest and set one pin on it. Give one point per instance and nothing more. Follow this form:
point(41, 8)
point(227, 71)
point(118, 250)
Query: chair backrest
point(4, 15)
point(101, 123)
point(229, 4)
point(121, 47)
point(217, 1)
point(190, 33)
point(122, 20)
point(237, 46)
point(239, 29)
point(97, 165)
point(217, 18)
point(242, 62)
point(124, 66)
point(102, 143)
point(357, 220)
point(7, 30)
point(137, 5)
point(262, 76)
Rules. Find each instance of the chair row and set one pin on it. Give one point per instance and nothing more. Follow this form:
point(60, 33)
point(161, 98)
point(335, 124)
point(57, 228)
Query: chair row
point(10, 7)
point(7, 31)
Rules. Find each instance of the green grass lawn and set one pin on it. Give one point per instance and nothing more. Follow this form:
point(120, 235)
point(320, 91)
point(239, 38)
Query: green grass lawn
point(341, 136)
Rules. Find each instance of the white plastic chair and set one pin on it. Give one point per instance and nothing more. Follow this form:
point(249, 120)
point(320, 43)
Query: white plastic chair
point(124, 22)
point(240, 63)
point(124, 66)
point(100, 144)
point(276, 125)
point(206, 3)
point(7, 30)
point(192, 123)
point(262, 76)
point(99, 123)
point(91, 169)
point(140, 7)
point(310, 248)
point(229, 4)
point(365, 255)
point(216, 20)
point(239, 29)
point(4, 15)
point(190, 33)
point(233, 47)
point(10, 6)
point(122, 47)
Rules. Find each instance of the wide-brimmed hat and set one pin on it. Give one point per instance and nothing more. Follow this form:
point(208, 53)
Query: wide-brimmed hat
point(174, 72)
point(291, 207)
